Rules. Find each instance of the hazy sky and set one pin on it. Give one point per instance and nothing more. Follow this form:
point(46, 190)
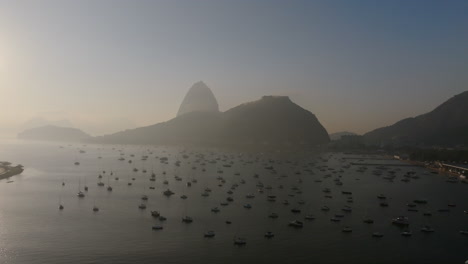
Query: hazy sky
point(109, 65)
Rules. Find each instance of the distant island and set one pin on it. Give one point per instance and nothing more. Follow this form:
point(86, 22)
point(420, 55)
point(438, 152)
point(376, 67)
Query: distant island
point(54, 133)
point(7, 170)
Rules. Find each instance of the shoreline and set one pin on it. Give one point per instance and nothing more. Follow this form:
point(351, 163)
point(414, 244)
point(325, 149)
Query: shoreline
point(7, 171)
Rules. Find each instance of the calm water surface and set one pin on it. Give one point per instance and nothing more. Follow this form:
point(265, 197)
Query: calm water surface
point(33, 230)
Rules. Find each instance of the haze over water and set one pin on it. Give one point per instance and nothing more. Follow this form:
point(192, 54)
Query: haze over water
point(106, 66)
point(33, 230)
point(233, 131)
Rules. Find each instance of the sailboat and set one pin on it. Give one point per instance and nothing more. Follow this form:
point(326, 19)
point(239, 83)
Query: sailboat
point(109, 188)
point(80, 193)
point(95, 208)
point(60, 202)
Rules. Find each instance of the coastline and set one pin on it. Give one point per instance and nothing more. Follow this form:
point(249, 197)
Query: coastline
point(6, 170)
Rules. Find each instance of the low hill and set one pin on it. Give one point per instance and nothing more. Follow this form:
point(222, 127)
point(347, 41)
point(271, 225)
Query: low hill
point(54, 133)
point(270, 120)
point(446, 125)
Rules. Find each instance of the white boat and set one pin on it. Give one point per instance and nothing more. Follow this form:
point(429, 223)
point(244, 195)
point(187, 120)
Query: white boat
point(347, 229)
point(427, 229)
point(269, 234)
point(401, 221)
point(309, 217)
point(296, 223)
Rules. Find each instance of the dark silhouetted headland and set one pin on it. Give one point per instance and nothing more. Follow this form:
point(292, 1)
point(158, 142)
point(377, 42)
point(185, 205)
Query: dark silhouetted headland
point(445, 125)
point(272, 120)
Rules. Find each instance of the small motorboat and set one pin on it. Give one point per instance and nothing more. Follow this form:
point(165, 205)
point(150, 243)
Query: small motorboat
point(296, 210)
point(400, 221)
point(157, 227)
point(215, 209)
point(273, 215)
point(168, 192)
point(269, 234)
point(347, 229)
point(142, 206)
point(309, 217)
point(187, 219)
point(155, 213)
point(427, 229)
point(209, 234)
point(296, 223)
point(406, 233)
point(240, 241)
point(377, 234)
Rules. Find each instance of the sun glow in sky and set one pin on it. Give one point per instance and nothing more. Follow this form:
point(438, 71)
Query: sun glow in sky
point(109, 65)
